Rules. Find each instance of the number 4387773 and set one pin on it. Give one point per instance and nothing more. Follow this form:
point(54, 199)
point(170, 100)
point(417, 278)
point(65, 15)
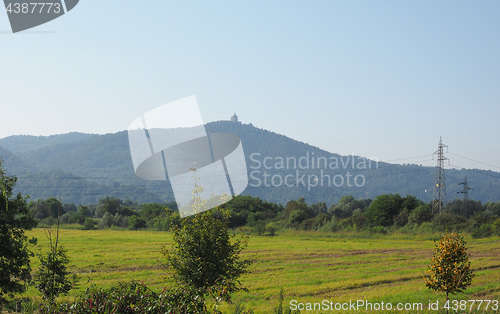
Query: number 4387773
point(471, 305)
point(33, 8)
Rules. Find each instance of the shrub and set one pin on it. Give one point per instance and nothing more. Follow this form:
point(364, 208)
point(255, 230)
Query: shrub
point(359, 220)
point(330, 226)
point(131, 297)
point(448, 222)
point(203, 255)
point(258, 227)
point(495, 229)
point(402, 218)
point(271, 229)
point(345, 224)
point(378, 229)
point(297, 216)
point(53, 277)
point(419, 215)
point(136, 223)
point(89, 224)
point(484, 231)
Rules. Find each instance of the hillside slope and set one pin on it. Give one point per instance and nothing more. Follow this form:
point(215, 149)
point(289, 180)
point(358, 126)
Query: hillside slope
point(82, 168)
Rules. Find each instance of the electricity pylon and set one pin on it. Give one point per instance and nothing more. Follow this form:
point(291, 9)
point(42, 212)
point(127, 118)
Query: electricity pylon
point(439, 201)
point(466, 189)
point(465, 193)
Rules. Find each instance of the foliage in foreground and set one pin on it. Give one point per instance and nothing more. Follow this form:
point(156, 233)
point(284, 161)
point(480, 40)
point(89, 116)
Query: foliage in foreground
point(449, 270)
point(131, 297)
point(203, 255)
point(14, 253)
point(54, 278)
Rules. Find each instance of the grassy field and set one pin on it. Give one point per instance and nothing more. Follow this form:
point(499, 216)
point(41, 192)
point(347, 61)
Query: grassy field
point(310, 267)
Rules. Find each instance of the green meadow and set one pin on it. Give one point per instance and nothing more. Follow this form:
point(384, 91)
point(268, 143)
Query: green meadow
point(311, 267)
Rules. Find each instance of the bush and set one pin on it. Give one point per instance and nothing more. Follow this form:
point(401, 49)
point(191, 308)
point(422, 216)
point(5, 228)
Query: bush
point(258, 227)
point(136, 223)
point(19, 304)
point(89, 224)
point(484, 231)
point(330, 226)
point(106, 221)
point(419, 215)
point(297, 216)
point(131, 297)
point(424, 228)
point(47, 222)
point(495, 229)
point(448, 222)
point(359, 220)
point(53, 277)
point(402, 218)
point(159, 224)
point(345, 224)
point(271, 229)
point(378, 229)
point(479, 219)
point(203, 255)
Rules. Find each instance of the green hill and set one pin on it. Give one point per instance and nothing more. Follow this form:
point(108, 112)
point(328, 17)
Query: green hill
point(82, 168)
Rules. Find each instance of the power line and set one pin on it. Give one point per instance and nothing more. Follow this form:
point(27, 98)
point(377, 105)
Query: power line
point(479, 146)
point(475, 160)
point(407, 158)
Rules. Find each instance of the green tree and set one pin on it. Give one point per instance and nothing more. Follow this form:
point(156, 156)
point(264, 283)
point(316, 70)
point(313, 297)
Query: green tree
point(386, 207)
point(152, 210)
point(50, 207)
point(203, 255)
point(296, 211)
point(106, 221)
point(89, 224)
point(449, 270)
point(39, 209)
point(55, 207)
point(421, 214)
point(383, 209)
point(448, 222)
point(14, 253)
point(346, 206)
point(136, 223)
point(246, 209)
point(109, 204)
point(402, 218)
point(53, 278)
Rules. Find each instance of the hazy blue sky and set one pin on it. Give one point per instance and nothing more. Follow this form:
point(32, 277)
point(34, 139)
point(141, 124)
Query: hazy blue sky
point(375, 78)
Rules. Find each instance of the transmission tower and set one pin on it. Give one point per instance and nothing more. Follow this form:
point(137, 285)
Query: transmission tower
point(439, 201)
point(465, 193)
point(466, 189)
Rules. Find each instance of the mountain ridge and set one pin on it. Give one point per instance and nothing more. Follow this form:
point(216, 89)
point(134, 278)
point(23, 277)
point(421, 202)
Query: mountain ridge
point(94, 166)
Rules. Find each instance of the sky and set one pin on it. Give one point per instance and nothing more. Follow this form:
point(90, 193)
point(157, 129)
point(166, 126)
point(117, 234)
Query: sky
point(379, 79)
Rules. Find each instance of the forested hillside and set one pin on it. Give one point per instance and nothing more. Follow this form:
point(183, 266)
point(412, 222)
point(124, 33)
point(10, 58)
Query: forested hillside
point(83, 168)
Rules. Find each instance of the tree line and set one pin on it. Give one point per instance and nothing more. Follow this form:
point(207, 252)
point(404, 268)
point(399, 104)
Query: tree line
point(386, 213)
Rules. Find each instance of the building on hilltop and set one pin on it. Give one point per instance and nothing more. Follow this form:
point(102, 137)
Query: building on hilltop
point(234, 118)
